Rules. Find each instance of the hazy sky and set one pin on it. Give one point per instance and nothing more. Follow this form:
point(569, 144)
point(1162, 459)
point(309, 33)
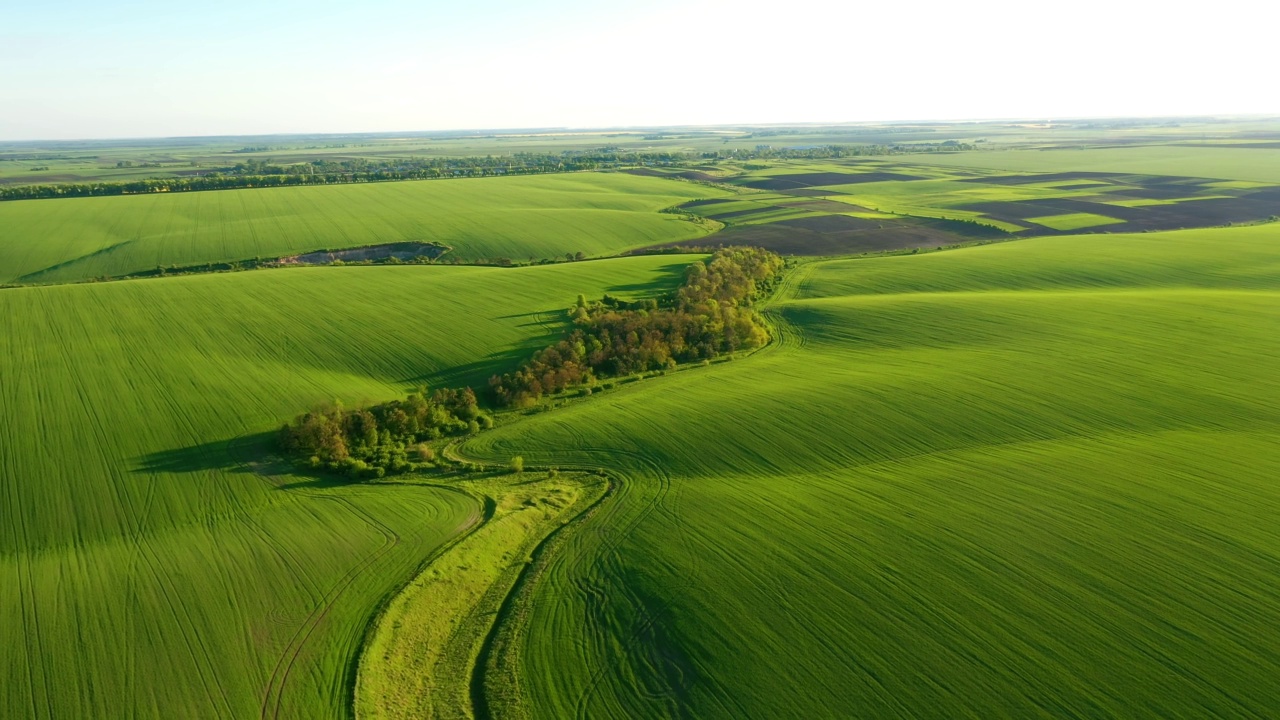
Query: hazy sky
point(137, 68)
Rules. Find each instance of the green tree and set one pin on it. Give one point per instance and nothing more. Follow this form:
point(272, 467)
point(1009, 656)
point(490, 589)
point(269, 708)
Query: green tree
point(517, 464)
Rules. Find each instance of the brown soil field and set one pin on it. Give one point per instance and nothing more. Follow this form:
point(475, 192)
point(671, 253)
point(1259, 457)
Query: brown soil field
point(402, 251)
point(843, 235)
point(1250, 207)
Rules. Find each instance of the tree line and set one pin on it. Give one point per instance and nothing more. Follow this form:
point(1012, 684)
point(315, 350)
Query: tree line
point(389, 438)
point(710, 314)
point(256, 173)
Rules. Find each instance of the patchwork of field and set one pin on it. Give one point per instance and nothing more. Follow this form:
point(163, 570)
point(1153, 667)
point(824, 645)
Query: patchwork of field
point(865, 205)
point(151, 564)
point(50, 241)
point(1030, 479)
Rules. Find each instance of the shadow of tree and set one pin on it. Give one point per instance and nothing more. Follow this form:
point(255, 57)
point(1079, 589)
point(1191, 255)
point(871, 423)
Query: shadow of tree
point(665, 279)
point(222, 455)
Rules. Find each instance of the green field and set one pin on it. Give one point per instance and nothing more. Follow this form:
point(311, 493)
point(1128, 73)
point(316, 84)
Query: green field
point(1222, 162)
point(1074, 221)
point(149, 569)
point(1026, 480)
point(518, 218)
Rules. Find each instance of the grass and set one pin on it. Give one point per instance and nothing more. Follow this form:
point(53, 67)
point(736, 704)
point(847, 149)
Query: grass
point(418, 661)
point(1027, 480)
point(1074, 221)
point(49, 241)
point(151, 566)
point(1257, 165)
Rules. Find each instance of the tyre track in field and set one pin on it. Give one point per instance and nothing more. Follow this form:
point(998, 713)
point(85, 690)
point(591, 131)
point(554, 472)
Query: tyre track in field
point(195, 643)
point(582, 567)
point(289, 658)
point(784, 336)
point(273, 694)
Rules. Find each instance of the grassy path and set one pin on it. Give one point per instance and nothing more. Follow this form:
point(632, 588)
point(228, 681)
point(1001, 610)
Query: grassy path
point(422, 654)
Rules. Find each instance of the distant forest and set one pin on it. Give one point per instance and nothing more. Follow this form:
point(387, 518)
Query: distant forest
point(267, 173)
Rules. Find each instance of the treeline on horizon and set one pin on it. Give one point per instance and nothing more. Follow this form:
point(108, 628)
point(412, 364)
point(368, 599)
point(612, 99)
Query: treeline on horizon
point(265, 173)
point(712, 313)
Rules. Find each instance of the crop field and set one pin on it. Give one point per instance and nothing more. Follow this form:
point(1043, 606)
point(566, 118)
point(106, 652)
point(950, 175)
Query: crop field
point(867, 205)
point(1029, 479)
point(154, 563)
point(518, 218)
point(1219, 162)
point(1031, 474)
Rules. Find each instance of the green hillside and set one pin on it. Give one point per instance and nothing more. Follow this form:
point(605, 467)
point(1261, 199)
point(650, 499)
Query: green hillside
point(1222, 161)
point(49, 241)
point(151, 566)
point(1023, 480)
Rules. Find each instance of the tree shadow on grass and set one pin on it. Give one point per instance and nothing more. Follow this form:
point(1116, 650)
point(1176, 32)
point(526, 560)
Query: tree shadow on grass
point(665, 279)
point(254, 454)
point(476, 374)
point(224, 455)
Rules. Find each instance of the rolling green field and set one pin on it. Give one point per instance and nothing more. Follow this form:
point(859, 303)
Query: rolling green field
point(518, 218)
point(1224, 162)
point(152, 564)
point(1022, 479)
point(1032, 479)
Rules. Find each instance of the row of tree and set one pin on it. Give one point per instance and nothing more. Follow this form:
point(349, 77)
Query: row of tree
point(710, 314)
point(382, 439)
point(255, 173)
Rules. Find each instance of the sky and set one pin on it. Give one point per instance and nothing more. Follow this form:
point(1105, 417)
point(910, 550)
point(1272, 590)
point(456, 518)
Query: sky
point(74, 69)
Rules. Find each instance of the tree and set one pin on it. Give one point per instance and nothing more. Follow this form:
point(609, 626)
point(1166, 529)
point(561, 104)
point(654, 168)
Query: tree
point(517, 464)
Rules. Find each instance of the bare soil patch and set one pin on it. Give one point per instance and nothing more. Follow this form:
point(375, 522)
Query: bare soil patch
point(844, 235)
point(1211, 212)
point(400, 251)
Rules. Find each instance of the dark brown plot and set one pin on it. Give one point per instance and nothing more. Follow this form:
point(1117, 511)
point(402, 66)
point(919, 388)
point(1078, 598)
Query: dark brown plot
point(1210, 212)
point(844, 235)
